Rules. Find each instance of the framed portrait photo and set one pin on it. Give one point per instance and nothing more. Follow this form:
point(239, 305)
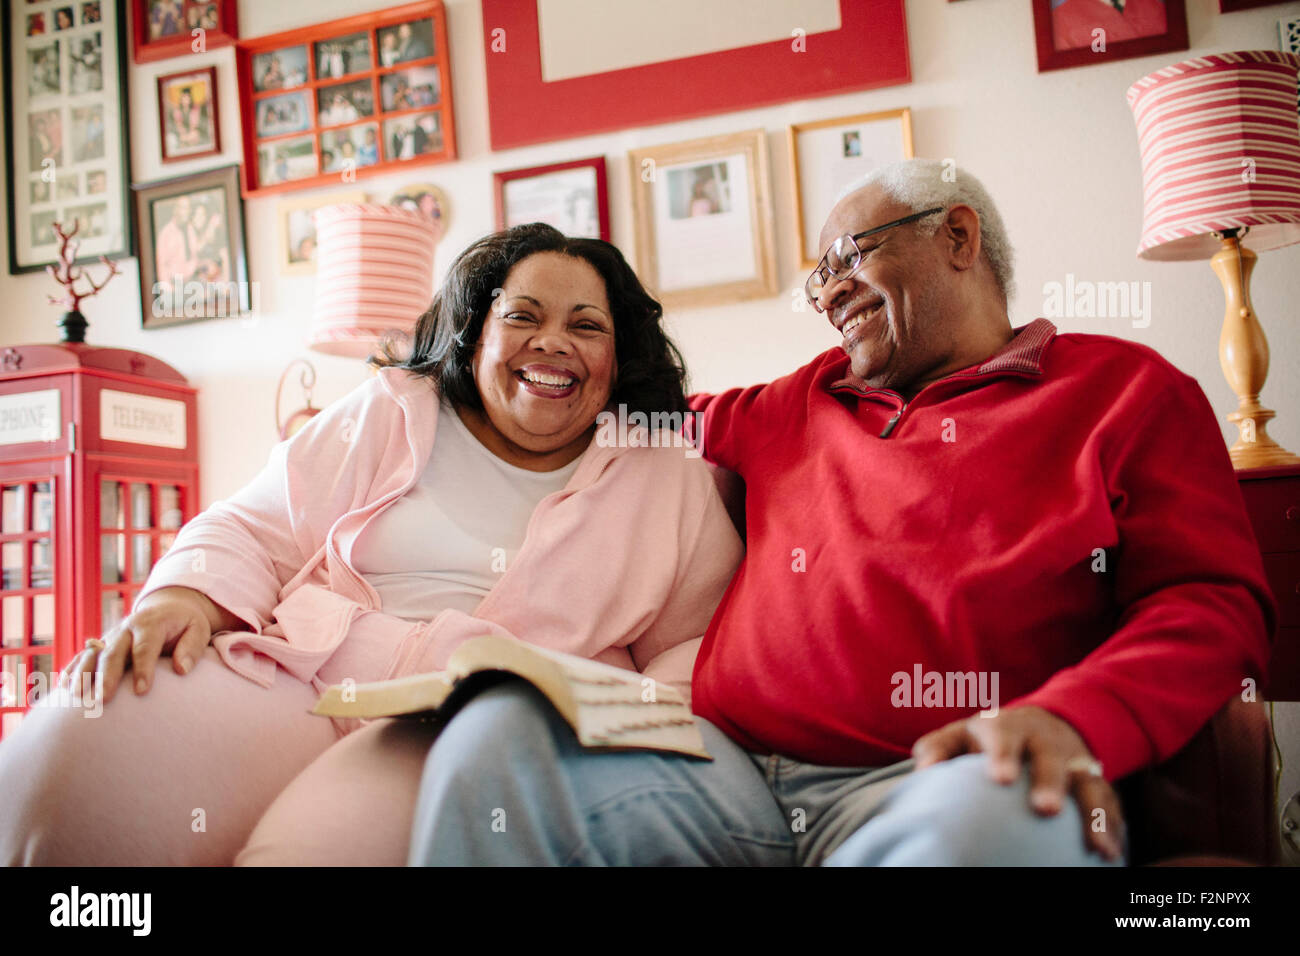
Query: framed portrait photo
point(187, 115)
point(426, 199)
point(365, 93)
point(65, 117)
point(1083, 32)
point(298, 229)
point(827, 155)
point(571, 196)
point(193, 263)
point(704, 219)
point(168, 28)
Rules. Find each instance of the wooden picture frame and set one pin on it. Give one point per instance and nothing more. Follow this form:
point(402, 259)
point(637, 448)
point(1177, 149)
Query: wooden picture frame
point(66, 125)
point(166, 28)
point(296, 217)
point(572, 197)
point(800, 58)
point(704, 219)
point(360, 96)
point(1079, 51)
point(193, 130)
point(826, 155)
point(192, 267)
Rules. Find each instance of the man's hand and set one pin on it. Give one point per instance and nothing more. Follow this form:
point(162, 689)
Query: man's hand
point(1055, 753)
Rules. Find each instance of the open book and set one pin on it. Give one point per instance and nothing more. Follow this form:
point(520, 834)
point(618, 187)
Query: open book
point(605, 705)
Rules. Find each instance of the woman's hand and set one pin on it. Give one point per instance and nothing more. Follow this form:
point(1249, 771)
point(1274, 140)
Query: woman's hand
point(175, 620)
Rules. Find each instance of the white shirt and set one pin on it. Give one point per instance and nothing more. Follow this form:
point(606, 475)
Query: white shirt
point(448, 540)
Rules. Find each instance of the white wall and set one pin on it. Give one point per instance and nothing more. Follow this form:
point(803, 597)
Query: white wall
point(1058, 152)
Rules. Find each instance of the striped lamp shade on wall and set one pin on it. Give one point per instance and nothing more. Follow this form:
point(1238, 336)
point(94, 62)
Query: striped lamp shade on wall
point(374, 275)
point(1220, 142)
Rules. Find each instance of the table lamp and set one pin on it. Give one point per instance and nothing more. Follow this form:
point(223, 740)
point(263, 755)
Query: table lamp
point(374, 267)
point(1220, 143)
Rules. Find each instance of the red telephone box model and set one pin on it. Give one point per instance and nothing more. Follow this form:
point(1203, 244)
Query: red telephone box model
point(98, 471)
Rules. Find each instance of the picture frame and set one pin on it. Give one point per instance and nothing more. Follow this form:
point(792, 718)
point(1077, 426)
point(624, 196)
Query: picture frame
point(167, 28)
point(552, 80)
point(297, 238)
point(826, 155)
point(425, 198)
point(1065, 38)
point(704, 216)
point(369, 93)
point(66, 123)
point(192, 251)
point(189, 123)
point(573, 197)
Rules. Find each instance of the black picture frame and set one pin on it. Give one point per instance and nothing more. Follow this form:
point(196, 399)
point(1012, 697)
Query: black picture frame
point(114, 172)
point(164, 302)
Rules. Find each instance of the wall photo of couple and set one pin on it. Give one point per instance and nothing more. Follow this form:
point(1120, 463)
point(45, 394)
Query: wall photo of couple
point(192, 262)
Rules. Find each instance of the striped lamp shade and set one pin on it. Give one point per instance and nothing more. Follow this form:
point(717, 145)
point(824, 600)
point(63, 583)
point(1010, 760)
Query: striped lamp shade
point(374, 268)
point(1220, 143)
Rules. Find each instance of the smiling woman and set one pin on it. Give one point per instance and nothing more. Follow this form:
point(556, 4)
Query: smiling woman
point(459, 490)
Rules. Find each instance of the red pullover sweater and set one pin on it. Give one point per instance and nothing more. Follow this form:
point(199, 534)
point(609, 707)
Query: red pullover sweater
point(1063, 517)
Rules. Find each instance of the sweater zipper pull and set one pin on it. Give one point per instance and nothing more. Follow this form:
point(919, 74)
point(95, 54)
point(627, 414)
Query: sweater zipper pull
point(889, 426)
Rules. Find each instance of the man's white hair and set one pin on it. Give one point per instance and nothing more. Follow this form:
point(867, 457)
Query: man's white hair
point(922, 184)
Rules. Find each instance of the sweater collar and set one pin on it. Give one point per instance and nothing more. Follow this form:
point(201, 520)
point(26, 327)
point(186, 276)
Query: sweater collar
point(1023, 354)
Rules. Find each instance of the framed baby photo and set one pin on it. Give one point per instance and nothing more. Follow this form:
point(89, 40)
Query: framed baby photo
point(297, 240)
point(827, 155)
point(328, 103)
point(66, 124)
point(168, 28)
point(193, 263)
point(187, 115)
point(1083, 32)
point(704, 219)
point(569, 196)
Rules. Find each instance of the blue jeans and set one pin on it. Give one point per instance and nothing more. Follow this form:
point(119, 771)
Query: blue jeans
point(507, 784)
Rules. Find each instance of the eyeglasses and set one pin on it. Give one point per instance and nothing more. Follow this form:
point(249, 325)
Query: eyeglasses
point(844, 256)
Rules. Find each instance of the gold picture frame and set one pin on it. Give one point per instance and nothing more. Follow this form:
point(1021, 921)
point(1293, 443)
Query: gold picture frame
point(288, 212)
point(826, 155)
point(704, 219)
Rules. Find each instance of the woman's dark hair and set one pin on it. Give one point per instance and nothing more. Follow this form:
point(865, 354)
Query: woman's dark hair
point(650, 371)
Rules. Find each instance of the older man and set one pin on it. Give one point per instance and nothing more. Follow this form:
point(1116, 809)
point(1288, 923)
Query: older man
point(1017, 557)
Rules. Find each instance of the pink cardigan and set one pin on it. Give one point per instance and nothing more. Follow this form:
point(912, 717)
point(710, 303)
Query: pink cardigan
point(625, 564)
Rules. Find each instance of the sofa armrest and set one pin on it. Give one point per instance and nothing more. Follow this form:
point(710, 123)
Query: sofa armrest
point(1213, 798)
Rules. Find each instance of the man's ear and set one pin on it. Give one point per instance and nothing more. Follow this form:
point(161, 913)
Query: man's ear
point(961, 232)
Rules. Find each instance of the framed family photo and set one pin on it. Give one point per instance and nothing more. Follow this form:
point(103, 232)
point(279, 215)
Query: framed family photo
point(167, 28)
point(298, 229)
point(426, 199)
point(704, 219)
point(65, 118)
point(193, 263)
point(827, 155)
point(352, 97)
point(1083, 32)
point(571, 196)
point(187, 115)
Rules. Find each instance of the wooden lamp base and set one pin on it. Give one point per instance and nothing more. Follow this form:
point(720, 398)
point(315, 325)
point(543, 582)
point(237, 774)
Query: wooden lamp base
point(1243, 356)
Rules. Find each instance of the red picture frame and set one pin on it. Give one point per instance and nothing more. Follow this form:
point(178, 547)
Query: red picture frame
point(172, 154)
point(1050, 58)
point(868, 50)
point(600, 201)
point(192, 16)
point(347, 99)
